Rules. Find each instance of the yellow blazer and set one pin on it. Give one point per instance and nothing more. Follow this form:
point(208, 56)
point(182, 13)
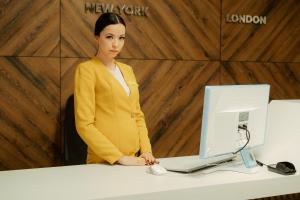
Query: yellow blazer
point(110, 122)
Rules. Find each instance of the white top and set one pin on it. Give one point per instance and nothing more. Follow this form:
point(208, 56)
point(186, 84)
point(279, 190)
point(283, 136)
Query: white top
point(118, 75)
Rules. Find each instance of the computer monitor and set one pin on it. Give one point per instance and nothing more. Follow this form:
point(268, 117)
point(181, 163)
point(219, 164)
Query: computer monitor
point(230, 113)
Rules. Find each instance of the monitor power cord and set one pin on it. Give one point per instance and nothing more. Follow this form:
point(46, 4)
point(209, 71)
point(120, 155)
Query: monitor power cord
point(244, 127)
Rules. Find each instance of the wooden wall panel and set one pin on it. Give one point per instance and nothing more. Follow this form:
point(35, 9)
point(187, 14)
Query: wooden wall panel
point(29, 112)
point(68, 67)
point(172, 100)
point(284, 78)
point(283, 197)
point(174, 30)
point(171, 96)
point(277, 41)
point(29, 28)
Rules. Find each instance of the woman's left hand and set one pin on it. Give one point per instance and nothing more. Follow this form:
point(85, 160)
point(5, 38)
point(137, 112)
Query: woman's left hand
point(149, 158)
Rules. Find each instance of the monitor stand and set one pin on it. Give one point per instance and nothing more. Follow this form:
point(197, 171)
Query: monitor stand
point(248, 158)
point(245, 164)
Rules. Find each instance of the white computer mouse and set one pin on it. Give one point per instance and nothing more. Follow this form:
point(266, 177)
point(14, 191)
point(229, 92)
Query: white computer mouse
point(157, 170)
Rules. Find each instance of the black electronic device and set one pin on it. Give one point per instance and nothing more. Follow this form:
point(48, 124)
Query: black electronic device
point(284, 168)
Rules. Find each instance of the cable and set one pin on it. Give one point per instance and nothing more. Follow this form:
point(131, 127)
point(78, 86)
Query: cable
point(244, 127)
point(260, 163)
point(247, 136)
point(263, 164)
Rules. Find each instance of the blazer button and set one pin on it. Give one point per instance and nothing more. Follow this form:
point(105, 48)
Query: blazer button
point(132, 115)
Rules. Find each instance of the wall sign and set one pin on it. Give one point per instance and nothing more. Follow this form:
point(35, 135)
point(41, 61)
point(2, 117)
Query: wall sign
point(135, 10)
point(245, 19)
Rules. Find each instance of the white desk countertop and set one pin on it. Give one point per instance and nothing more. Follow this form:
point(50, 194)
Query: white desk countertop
point(122, 182)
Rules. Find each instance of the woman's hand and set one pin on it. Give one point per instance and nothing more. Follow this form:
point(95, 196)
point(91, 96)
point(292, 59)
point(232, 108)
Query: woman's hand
point(131, 160)
point(149, 158)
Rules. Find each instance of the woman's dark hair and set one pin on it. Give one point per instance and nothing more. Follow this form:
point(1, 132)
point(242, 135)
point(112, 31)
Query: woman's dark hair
point(107, 19)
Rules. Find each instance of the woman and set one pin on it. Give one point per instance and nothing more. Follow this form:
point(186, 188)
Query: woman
point(107, 110)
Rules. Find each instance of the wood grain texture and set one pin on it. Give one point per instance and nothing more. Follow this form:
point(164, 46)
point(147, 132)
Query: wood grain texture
point(171, 96)
point(283, 197)
point(29, 112)
point(172, 100)
point(29, 28)
point(67, 73)
point(277, 41)
point(173, 30)
point(284, 78)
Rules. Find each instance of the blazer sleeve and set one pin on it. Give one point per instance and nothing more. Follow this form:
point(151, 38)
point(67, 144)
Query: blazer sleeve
point(84, 95)
point(140, 120)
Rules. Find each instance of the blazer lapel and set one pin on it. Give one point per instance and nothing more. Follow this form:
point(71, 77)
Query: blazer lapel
point(113, 81)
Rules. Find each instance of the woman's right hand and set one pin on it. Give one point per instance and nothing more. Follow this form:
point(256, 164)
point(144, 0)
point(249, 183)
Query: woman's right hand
point(131, 160)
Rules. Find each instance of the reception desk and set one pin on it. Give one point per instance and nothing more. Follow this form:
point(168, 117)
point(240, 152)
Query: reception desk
point(123, 182)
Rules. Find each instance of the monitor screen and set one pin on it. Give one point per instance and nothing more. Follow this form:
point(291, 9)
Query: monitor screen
point(225, 109)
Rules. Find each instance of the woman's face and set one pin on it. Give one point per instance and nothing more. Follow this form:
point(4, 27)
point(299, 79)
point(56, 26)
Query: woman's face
point(111, 40)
